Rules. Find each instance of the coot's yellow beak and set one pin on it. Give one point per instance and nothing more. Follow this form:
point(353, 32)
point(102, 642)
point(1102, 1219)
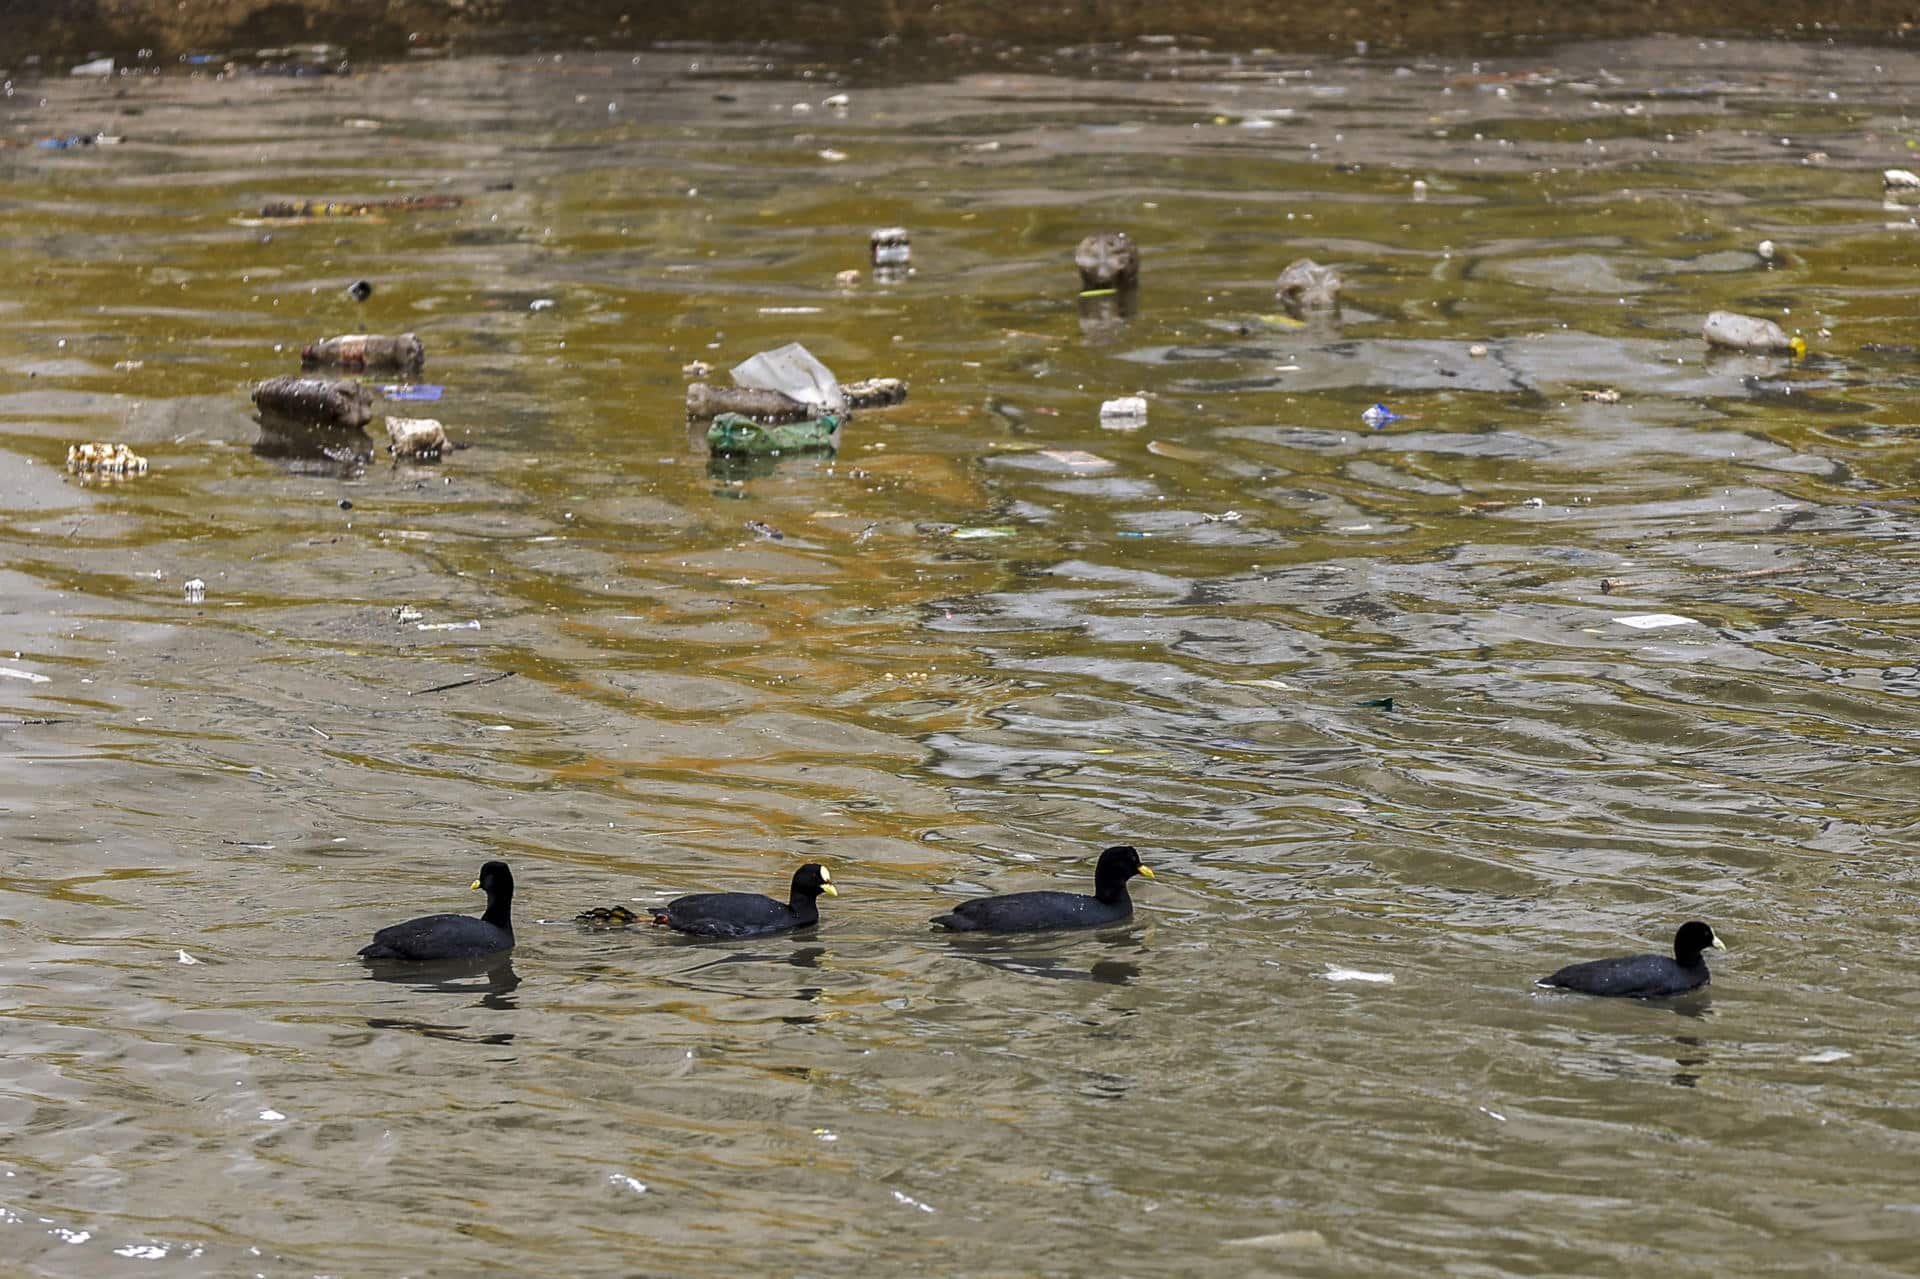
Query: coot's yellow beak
point(1717, 943)
point(829, 890)
point(1146, 872)
point(475, 884)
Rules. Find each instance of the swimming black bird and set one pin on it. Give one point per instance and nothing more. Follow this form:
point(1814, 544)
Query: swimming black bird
point(454, 936)
point(1645, 976)
point(734, 914)
point(1031, 912)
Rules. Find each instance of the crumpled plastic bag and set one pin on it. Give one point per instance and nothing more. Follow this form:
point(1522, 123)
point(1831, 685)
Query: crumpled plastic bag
point(793, 371)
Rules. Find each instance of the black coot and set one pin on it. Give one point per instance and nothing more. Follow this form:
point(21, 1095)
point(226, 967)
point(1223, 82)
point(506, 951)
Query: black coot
point(454, 936)
point(735, 914)
point(1645, 976)
point(1031, 912)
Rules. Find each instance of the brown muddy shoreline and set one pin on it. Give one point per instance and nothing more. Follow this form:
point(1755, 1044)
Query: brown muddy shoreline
point(392, 28)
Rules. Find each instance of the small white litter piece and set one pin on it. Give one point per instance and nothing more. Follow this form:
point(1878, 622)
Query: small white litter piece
point(1078, 459)
point(1336, 973)
point(10, 672)
point(98, 67)
point(911, 1202)
point(1825, 1057)
point(194, 592)
point(1281, 1241)
point(1127, 413)
point(1656, 621)
point(634, 1184)
point(184, 957)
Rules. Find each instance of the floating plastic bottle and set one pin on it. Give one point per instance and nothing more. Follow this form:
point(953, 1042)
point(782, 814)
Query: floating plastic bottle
point(736, 434)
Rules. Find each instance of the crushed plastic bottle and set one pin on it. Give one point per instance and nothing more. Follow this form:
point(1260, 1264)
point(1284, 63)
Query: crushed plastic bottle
point(355, 351)
point(735, 434)
point(1731, 331)
point(1378, 416)
point(316, 400)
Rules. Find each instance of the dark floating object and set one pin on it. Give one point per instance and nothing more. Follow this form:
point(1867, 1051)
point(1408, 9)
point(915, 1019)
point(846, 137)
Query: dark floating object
point(360, 290)
point(454, 936)
point(316, 401)
point(732, 914)
point(1645, 976)
point(1108, 260)
point(1376, 704)
point(1305, 286)
point(1031, 912)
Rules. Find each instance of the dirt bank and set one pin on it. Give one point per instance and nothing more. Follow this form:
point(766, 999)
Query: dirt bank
point(385, 28)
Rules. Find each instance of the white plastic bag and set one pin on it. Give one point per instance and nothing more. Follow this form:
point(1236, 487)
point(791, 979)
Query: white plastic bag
point(793, 372)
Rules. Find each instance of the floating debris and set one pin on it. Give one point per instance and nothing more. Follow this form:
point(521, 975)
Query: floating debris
point(1336, 973)
point(1282, 1241)
point(1224, 517)
point(360, 290)
point(12, 672)
point(735, 433)
point(359, 208)
point(875, 393)
point(705, 400)
point(407, 613)
point(1108, 260)
point(768, 531)
point(1605, 395)
point(422, 439)
point(1127, 413)
point(1655, 621)
point(105, 459)
point(353, 352)
point(420, 391)
point(891, 246)
point(1076, 458)
point(1305, 285)
point(195, 591)
point(1897, 183)
point(1378, 416)
point(318, 401)
point(696, 369)
point(1734, 332)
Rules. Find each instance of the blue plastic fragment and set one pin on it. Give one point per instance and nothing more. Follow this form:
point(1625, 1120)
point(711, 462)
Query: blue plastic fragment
point(1131, 533)
point(413, 391)
point(1378, 416)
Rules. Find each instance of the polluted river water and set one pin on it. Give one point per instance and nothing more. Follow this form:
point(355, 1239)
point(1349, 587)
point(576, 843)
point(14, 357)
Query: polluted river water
point(1401, 718)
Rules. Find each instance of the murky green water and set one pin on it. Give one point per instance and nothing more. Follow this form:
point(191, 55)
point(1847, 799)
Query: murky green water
point(255, 783)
